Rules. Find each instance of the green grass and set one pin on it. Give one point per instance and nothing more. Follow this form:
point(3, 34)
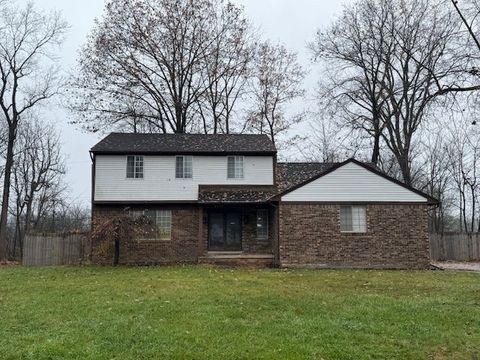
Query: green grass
point(209, 313)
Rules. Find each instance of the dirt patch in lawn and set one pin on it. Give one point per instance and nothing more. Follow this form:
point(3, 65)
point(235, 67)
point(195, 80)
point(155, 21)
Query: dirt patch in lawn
point(9, 263)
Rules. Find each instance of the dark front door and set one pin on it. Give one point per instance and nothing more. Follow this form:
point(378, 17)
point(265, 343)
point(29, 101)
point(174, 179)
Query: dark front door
point(225, 231)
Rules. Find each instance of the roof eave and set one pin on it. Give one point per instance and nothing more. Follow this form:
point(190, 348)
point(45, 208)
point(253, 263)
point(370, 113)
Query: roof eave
point(203, 153)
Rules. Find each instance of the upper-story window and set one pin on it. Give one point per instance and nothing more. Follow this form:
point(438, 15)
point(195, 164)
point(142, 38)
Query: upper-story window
point(134, 167)
point(183, 167)
point(235, 167)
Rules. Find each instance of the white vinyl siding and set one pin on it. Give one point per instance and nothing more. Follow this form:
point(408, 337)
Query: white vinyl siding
point(353, 219)
point(184, 167)
point(352, 183)
point(235, 167)
point(159, 182)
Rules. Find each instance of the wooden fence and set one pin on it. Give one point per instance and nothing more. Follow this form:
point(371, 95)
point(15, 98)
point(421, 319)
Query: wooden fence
point(455, 246)
point(54, 249)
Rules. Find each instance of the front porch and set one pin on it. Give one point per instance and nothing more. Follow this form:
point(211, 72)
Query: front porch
point(238, 234)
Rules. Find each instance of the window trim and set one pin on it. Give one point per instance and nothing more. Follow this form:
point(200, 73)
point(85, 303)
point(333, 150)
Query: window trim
point(235, 157)
point(353, 231)
point(157, 216)
point(267, 232)
point(141, 212)
point(134, 167)
point(183, 167)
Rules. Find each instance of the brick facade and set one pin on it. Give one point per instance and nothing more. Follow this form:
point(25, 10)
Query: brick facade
point(182, 248)
point(396, 237)
point(189, 239)
point(306, 235)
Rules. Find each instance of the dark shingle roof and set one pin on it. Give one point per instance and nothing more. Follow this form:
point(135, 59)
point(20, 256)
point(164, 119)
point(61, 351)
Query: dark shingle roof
point(122, 143)
point(290, 174)
point(235, 193)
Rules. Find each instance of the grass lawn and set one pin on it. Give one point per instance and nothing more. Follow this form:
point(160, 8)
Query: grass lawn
point(209, 313)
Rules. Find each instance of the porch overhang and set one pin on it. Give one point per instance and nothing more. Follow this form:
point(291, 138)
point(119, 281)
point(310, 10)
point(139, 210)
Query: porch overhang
point(235, 194)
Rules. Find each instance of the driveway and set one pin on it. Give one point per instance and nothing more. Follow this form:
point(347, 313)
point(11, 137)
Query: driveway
point(462, 266)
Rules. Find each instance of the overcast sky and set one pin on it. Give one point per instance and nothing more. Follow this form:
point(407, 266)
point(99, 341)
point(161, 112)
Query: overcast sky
point(292, 22)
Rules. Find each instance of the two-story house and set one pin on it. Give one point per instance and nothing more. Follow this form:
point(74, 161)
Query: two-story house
point(226, 199)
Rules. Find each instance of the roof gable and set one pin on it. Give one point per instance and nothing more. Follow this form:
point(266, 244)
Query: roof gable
point(354, 181)
point(206, 144)
point(290, 174)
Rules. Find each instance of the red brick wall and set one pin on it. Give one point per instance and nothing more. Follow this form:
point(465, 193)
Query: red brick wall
point(250, 243)
point(189, 236)
point(397, 237)
point(182, 248)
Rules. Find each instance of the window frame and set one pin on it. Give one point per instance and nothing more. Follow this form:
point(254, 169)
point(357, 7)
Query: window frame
point(158, 219)
point(236, 160)
point(158, 223)
point(267, 230)
point(356, 228)
point(137, 160)
point(184, 157)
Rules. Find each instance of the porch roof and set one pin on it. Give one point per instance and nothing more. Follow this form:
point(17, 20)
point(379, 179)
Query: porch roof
point(235, 193)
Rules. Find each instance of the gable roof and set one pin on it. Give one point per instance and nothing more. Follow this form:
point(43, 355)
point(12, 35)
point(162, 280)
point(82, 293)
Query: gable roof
point(297, 183)
point(291, 174)
point(207, 144)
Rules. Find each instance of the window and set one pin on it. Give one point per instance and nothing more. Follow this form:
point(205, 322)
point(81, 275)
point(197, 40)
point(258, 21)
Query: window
point(235, 167)
point(353, 219)
point(160, 224)
point(262, 224)
point(183, 167)
point(164, 224)
point(134, 167)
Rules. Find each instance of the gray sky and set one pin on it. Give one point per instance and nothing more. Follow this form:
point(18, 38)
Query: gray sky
point(292, 22)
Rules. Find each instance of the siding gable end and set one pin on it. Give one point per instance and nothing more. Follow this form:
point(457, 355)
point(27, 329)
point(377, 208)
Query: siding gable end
point(352, 183)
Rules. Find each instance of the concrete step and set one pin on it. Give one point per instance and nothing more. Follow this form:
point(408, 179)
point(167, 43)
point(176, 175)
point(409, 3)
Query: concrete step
point(237, 259)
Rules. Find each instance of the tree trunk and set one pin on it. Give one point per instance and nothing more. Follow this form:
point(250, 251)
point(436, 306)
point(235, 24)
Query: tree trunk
point(179, 124)
point(116, 255)
point(376, 148)
point(6, 195)
point(405, 169)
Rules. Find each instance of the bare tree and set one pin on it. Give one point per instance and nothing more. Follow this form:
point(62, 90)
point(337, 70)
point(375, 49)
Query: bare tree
point(401, 74)
point(435, 177)
point(25, 81)
point(327, 142)
point(276, 81)
point(471, 9)
point(464, 165)
point(227, 70)
point(38, 173)
point(149, 61)
point(353, 49)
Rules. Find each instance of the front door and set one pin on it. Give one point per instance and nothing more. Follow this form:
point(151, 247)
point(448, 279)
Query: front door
point(225, 231)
